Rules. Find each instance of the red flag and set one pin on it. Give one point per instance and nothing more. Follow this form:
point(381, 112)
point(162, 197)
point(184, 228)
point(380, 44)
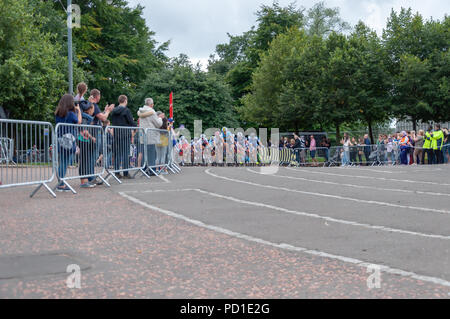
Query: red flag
point(171, 104)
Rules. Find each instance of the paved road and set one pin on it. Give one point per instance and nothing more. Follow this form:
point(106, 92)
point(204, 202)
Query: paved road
point(236, 232)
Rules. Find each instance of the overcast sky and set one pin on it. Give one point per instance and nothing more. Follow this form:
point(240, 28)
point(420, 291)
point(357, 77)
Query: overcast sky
point(195, 27)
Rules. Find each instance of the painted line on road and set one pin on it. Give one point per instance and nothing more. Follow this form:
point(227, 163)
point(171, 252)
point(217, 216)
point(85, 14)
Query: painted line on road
point(231, 233)
point(326, 218)
point(304, 214)
point(352, 185)
point(441, 211)
point(161, 191)
point(368, 177)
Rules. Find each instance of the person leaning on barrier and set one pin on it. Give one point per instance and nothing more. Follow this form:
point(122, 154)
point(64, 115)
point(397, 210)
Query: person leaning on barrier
point(437, 143)
point(66, 113)
point(162, 146)
point(148, 119)
point(405, 146)
point(367, 148)
point(297, 146)
point(87, 145)
point(121, 117)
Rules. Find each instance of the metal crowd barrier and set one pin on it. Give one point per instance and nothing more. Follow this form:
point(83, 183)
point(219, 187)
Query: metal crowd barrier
point(159, 151)
point(6, 150)
point(171, 164)
point(126, 152)
point(80, 153)
point(26, 154)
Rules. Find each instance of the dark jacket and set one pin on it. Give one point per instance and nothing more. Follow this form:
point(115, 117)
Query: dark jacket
point(297, 144)
point(121, 116)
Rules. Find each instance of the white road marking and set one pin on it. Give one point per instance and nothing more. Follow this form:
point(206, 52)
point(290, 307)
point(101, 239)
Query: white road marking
point(328, 195)
point(293, 212)
point(163, 178)
point(161, 191)
point(326, 218)
point(368, 177)
point(231, 233)
point(353, 185)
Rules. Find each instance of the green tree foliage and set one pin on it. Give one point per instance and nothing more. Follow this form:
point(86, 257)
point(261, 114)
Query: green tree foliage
point(321, 21)
point(32, 70)
point(116, 47)
point(240, 57)
point(198, 95)
point(418, 61)
point(371, 80)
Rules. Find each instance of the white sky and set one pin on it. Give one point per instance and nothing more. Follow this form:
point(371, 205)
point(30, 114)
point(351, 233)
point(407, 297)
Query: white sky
point(195, 27)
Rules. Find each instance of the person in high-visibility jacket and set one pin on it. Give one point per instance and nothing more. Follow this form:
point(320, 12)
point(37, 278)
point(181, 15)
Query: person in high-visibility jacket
point(427, 147)
point(405, 145)
point(437, 143)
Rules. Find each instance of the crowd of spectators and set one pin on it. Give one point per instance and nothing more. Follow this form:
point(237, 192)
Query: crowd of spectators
point(83, 145)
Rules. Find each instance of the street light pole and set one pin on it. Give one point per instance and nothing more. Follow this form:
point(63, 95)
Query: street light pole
point(69, 44)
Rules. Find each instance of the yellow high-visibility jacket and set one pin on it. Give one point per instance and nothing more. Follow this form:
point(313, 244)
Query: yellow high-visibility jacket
point(437, 140)
point(427, 143)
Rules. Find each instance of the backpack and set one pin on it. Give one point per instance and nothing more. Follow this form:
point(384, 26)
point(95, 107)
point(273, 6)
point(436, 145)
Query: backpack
point(67, 143)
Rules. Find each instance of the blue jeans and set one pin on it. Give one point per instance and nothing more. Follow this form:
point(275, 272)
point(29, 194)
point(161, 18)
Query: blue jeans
point(346, 158)
point(404, 155)
point(151, 155)
point(121, 156)
point(64, 159)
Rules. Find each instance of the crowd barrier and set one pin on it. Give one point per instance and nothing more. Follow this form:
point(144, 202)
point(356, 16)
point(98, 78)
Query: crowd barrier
point(35, 153)
point(360, 155)
point(126, 152)
point(79, 153)
point(26, 152)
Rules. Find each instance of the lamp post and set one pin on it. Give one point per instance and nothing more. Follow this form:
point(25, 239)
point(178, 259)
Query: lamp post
point(69, 44)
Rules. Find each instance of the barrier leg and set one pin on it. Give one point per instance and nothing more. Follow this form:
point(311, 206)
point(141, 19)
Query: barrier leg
point(104, 181)
point(39, 187)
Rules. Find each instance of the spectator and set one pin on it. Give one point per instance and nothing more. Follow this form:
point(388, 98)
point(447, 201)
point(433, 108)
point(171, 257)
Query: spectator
point(360, 149)
point(86, 144)
point(346, 150)
point(446, 148)
point(66, 113)
point(121, 117)
point(81, 91)
point(427, 146)
point(418, 147)
point(148, 119)
point(405, 145)
point(437, 143)
point(326, 143)
point(297, 146)
point(367, 148)
point(312, 149)
point(161, 148)
point(353, 151)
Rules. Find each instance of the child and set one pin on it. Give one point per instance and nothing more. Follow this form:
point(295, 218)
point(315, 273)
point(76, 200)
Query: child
point(86, 144)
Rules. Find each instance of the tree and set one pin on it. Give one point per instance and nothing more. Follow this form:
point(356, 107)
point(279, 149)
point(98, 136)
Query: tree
point(198, 95)
point(32, 69)
point(242, 53)
point(418, 61)
point(321, 21)
point(371, 79)
point(116, 47)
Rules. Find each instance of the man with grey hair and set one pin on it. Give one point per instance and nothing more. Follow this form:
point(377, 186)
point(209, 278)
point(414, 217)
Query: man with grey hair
point(149, 102)
point(149, 119)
